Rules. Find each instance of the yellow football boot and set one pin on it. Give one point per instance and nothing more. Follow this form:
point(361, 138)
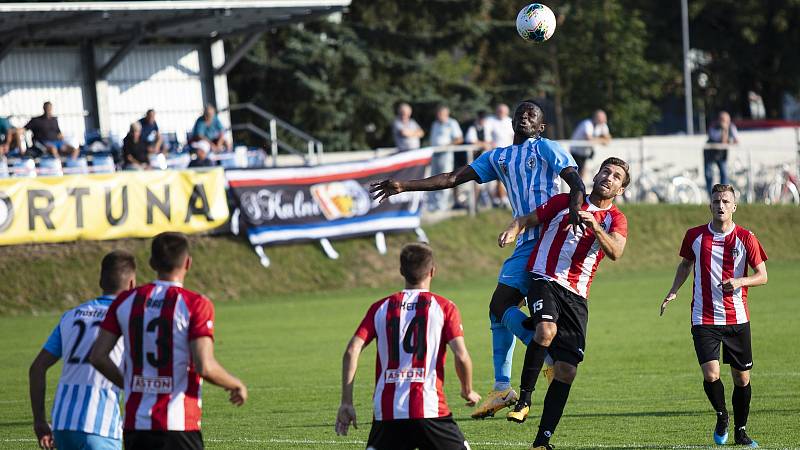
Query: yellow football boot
point(519, 413)
point(495, 401)
point(542, 447)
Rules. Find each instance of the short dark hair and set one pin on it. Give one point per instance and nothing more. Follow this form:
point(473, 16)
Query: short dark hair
point(416, 261)
point(115, 269)
point(723, 188)
point(168, 251)
point(524, 106)
point(614, 161)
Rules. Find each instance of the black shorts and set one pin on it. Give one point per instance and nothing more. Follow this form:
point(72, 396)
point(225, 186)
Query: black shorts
point(424, 434)
point(548, 301)
point(736, 350)
point(162, 440)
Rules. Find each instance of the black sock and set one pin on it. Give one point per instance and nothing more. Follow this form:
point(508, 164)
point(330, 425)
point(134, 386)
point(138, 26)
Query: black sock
point(741, 405)
point(554, 402)
point(534, 360)
point(716, 395)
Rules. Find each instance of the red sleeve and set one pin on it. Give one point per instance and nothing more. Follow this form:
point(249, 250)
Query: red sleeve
point(111, 322)
point(201, 318)
point(686, 246)
point(755, 253)
point(619, 224)
point(366, 329)
point(452, 323)
point(551, 207)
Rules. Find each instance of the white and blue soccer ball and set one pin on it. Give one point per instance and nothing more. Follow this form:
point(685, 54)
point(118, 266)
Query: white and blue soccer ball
point(536, 22)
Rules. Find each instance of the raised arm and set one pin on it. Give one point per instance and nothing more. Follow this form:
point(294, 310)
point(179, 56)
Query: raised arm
point(37, 376)
point(347, 413)
point(613, 244)
point(101, 360)
point(207, 366)
point(577, 192)
point(464, 370)
point(382, 190)
point(681, 274)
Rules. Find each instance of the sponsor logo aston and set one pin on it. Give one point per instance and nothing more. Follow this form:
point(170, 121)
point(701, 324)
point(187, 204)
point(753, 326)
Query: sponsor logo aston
point(152, 385)
point(412, 374)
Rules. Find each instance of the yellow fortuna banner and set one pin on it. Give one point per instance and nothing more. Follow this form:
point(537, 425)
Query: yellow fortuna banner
point(110, 206)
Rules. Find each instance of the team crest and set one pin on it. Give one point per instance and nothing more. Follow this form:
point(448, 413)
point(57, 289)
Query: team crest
point(531, 162)
point(735, 252)
point(501, 161)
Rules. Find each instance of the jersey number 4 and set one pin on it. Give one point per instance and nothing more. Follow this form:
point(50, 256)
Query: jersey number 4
point(163, 329)
point(414, 341)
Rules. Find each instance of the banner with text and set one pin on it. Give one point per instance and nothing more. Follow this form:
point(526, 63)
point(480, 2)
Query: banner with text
point(327, 201)
point(110, 206)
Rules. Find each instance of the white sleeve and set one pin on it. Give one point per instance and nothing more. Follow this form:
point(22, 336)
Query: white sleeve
point(457, 133)
point(472, 135)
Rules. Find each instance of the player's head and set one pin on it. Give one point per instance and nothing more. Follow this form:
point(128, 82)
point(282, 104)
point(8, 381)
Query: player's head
point(528, 119)
point(612, 178)
point(416, 264)
point(117, 272)
point(170, 254)
point(723, 203)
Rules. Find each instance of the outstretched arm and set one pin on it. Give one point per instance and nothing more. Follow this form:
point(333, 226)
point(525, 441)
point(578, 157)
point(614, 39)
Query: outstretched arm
point(516, 227)
point(577, 192)
point(681, 274)
point(464, 370)
point(347, 413)
point(382, 190)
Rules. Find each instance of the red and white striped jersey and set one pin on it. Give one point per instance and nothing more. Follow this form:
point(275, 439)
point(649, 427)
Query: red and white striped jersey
point(567, 258)
point(157, 322)
point(412, 328)
point(718, 257)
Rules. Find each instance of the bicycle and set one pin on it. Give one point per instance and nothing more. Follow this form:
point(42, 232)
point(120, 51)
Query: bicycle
point(656, 186)
point(784, 187)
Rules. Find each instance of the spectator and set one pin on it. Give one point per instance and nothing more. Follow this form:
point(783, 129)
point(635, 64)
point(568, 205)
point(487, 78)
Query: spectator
point(502, 135)
point(595, 131)
point(47, 135)
point(134, 149)
point(6, 134)
point(208, 128)
point(721, 133)
point(478, 133)
point(201, 155)
point(406, 130)
point(444, 131)
point(150, 133)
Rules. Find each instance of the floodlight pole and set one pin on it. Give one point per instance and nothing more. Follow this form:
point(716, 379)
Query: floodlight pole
point(687, 71)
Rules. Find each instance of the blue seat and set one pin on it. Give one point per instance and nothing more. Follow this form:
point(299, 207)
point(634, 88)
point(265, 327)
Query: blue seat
point(77, 166)
point(103, 163)
point(50, 167)
point(25, 167)
point(3, 168)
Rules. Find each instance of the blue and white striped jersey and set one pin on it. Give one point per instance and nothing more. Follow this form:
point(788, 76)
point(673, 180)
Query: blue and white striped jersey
point(85, 400)
point(529, 171)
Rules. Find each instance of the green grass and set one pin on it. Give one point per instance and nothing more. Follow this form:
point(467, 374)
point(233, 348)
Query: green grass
point(639, 386)
point(227, 270)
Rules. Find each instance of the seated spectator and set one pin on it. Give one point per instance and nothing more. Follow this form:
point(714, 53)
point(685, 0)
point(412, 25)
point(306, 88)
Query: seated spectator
point(150, 133)
point(209, 129)
point(6, 132)
point(47, 135)
point(135, 153)
point(202, 148)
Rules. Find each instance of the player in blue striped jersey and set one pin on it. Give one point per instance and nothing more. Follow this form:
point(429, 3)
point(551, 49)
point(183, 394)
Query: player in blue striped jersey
point(529, 169)
point(86, 411)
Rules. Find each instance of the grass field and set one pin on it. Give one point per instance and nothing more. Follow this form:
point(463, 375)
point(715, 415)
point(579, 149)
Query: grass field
point(639, 387)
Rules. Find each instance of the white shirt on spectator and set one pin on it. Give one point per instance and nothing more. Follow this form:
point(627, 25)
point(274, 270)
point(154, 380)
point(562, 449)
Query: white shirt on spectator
point(500, 131)
point(404, 143)
point(586, 129)
point(445, 133)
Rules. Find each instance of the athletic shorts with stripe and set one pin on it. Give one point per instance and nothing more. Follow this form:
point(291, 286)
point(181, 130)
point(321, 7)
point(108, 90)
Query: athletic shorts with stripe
point(548, 301)
point(440, 433)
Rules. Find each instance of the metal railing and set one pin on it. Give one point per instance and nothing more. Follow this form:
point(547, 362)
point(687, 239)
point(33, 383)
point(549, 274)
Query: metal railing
point(312, 154)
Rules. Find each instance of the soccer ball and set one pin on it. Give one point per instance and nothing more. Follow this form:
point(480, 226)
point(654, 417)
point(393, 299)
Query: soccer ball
point(536, 22)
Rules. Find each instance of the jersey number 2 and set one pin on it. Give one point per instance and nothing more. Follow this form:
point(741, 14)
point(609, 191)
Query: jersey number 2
point(414, 341)
point(73, 358)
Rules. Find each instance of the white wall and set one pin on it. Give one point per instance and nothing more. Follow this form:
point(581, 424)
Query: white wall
point(30, 77)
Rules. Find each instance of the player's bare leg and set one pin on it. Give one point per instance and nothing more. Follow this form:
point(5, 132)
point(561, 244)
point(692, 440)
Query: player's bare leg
point(535, 355)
